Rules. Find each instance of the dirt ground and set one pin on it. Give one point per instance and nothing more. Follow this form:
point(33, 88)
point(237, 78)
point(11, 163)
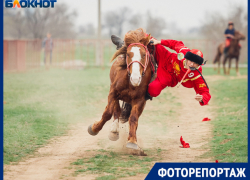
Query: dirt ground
point(51, 161)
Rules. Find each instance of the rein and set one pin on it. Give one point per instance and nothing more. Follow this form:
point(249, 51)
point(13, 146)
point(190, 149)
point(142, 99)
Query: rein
point(146, 62)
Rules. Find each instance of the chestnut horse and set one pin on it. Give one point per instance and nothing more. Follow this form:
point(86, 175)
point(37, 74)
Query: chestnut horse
point(233, 52)
point(129, 81)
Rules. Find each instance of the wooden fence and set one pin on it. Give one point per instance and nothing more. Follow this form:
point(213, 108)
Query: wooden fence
point(21, 55)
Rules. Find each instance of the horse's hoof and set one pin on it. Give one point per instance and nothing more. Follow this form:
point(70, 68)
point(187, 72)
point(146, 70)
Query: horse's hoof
point(135, 149)
point(113, 136)
point(90, 130)
point(132, 146)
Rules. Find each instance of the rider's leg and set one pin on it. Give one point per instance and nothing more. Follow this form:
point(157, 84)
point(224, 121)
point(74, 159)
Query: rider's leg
point(155, 88)
point(227, 44)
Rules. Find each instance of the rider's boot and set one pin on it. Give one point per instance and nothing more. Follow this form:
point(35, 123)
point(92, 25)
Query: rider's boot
point(147, 96)
point(117, 41)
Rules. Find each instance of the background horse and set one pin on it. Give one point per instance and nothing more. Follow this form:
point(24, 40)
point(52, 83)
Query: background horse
point(129, 81)
point(233, 52)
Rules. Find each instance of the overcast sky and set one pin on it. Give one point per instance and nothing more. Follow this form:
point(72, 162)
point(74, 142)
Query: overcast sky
point(186, 13)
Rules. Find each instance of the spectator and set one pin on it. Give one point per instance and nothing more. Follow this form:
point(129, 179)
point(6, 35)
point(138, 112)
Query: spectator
point(48, 47)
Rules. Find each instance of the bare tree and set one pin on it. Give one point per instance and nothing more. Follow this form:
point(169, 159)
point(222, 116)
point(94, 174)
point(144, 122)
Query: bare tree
point(35, 23)
point(136, 21)
point(114, 20)
point(155, 25)
point(14, 24)
point(87, 30)
point(61, 23)
point(216, 24)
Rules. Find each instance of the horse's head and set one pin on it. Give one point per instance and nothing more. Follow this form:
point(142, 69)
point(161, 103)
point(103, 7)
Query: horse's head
point(239, 36)
point(137, 58)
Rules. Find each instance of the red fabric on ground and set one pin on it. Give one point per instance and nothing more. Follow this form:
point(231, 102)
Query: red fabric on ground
point(184, 144)
point(206, 119)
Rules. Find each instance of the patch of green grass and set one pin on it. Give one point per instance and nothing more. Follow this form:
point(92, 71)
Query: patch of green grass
point(110, 177)
point(40, 105)
point(116, 165)
point(229, 143)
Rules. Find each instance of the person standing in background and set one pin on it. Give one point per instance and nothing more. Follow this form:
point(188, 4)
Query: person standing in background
point(48, 47)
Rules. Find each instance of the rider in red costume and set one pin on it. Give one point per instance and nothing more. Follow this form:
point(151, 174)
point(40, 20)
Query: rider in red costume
point(172, 68)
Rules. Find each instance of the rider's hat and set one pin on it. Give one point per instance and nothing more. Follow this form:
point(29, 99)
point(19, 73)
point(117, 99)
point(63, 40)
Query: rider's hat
point(230, 23)
point(195, 55)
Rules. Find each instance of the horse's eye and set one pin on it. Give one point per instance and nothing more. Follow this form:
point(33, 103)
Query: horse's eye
point(128, 54)
point(143, 55)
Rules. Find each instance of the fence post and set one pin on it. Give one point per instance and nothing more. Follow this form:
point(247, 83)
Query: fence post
point(21, 54)
point(5, 55)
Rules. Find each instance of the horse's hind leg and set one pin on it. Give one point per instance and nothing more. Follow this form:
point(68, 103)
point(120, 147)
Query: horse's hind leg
point(114, 131)
point(107, 114)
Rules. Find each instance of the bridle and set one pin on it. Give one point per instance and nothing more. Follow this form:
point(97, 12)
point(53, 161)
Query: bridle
point(146, 62)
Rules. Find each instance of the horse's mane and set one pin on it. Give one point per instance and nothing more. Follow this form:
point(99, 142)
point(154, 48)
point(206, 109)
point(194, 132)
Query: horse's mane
point(239, 35)
point(131, 37)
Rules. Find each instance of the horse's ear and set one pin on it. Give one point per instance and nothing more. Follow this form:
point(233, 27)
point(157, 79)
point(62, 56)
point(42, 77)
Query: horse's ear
point(145, 40)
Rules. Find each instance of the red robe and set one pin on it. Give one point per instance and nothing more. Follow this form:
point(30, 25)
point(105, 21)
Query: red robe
point(171, 70)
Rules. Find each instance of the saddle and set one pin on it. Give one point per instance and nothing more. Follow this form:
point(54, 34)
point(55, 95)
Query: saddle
point(151, 49)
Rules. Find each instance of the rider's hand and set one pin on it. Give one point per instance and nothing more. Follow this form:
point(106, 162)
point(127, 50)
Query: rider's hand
point(155, 41)
point(198, 97)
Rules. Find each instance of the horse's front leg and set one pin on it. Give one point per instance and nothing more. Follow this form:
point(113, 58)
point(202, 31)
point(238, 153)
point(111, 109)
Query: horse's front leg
point(107, 114)
point(136, 111)
point(114, 131)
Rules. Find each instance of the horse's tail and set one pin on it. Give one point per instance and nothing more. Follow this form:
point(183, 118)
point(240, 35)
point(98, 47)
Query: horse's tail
point(218, 55)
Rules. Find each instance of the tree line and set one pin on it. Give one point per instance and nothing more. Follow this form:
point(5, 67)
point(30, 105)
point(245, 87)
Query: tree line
point(59, 21)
